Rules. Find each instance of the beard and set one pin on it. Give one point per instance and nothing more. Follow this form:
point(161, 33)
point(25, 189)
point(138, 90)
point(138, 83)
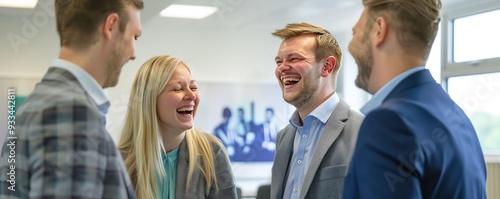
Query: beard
point(310, 86)
point(364, 60)
point(113, 67)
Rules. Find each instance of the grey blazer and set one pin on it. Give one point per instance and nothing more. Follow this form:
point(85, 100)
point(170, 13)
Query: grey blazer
point(325, 176)
point(63, 149)
point(197, 190)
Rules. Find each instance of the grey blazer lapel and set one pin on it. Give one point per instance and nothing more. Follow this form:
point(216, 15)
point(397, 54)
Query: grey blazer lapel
point(281, 161)
point(331, 131)
point(182, 170)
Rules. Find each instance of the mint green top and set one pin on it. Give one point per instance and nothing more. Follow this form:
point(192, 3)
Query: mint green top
point(166, 185)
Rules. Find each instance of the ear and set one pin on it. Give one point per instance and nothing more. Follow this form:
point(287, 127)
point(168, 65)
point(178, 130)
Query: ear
point(381, 30)
point(110, 24)
point(328, 66)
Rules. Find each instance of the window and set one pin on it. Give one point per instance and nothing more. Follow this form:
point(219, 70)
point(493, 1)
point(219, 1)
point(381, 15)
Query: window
point(434, 60)
point(470, 68)
point(476, 37)
point(478, 96)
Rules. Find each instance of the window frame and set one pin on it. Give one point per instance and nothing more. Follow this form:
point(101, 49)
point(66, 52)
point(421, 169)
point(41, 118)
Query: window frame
point(450, 69)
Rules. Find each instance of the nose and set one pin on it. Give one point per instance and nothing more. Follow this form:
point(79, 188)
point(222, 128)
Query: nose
point(190, 95)
point(283, 66)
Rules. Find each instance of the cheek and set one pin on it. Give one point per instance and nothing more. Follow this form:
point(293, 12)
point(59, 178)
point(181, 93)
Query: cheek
point(160, 112)
point(162, 105)
point(349, 47)
point(354, 47)
point(303, 69)
point(197, 101)
point(277, 73)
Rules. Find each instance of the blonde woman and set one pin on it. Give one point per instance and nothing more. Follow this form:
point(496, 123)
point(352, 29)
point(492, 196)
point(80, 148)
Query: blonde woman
point(165, 155)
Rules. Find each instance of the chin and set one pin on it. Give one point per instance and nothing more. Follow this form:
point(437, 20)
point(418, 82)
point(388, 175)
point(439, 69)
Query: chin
point(188, 126)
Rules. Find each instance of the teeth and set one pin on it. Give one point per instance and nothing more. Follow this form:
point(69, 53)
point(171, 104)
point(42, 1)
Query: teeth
point(290, 79)
point(185, 109)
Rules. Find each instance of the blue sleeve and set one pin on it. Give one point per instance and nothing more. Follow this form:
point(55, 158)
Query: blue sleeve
point(384, 163)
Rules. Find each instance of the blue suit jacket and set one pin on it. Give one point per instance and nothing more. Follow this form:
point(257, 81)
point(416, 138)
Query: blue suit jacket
point(417, 144)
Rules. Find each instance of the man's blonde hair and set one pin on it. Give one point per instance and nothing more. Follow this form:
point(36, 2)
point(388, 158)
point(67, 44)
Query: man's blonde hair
point(415, 22)
point(326, 44)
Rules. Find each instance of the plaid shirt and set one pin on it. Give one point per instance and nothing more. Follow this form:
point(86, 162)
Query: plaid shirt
point(62, 148)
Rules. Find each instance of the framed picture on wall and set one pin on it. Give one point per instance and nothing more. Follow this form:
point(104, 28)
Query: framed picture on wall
point(244, 116)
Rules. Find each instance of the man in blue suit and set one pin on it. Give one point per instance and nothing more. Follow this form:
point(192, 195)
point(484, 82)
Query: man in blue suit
point(414, 142)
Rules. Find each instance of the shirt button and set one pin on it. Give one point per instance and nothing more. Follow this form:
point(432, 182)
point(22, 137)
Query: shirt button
point(295, 189)
point(304, 136)
point(299, 161)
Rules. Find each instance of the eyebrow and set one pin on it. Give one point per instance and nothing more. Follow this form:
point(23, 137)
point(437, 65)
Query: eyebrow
point(290, 55)
point(182, 82)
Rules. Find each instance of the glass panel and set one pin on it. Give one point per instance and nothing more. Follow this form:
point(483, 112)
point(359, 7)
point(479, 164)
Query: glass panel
point(476, 37)
point(479, 97)
point(434, 60)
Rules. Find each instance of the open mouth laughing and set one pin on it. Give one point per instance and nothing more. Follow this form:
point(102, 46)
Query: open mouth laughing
point(185, 110)
point(289, 82)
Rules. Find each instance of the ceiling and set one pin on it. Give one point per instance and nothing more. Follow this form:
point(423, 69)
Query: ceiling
point(335, 15)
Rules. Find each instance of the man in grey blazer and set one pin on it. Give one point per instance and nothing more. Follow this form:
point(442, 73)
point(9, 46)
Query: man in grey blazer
point(314, 150)
point(62, 148)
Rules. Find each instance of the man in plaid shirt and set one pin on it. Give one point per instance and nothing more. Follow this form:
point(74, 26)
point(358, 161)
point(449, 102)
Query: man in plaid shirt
point(62, 148)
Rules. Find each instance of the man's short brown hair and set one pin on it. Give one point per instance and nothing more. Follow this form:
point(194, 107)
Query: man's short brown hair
point(326, 44)
point(415, 22)
point(78, 20)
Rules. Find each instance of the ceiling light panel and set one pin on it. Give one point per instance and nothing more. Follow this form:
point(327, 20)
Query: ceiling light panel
point(188, 11)
point(18, 3)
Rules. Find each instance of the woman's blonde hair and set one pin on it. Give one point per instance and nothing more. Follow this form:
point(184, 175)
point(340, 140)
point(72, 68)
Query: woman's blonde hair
point(141, 141)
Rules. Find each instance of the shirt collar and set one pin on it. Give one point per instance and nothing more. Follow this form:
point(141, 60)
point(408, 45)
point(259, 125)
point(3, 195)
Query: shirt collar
point(380, 95)
point(86, 80)
point(322, 112)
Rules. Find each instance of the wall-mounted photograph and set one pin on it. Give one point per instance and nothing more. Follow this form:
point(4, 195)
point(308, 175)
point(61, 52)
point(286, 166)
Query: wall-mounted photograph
point(245, 116)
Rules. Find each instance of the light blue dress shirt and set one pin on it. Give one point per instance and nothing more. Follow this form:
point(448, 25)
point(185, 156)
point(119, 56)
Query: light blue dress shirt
point(167, 184)
point(306, 140)
point(380, 95)
point(86, 80)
